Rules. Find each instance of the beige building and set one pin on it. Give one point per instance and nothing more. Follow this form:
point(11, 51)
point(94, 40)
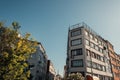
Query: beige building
point(50, 71)
point(87, 53)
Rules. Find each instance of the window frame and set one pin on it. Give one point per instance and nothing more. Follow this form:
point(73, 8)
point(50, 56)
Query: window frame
point(87, 42)
point(77, 43)
point(75, 53)
point(74, 33)
point(81, 62)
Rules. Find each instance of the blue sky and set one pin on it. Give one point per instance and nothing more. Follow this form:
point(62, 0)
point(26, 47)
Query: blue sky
point(48, 21)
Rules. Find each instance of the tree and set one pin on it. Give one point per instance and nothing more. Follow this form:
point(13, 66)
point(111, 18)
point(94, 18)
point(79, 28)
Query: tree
point(75, 76)
point(14, 52)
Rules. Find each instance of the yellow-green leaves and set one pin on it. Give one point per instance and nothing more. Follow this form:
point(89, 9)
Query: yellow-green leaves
point(5, 54)
point(14, 52)
point(75, 76)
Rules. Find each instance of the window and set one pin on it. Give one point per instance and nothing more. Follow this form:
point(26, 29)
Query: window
point(99, 66)
point(31, 66)
point(103, 68)
point(102, 58)
point(98, 57)
point(75, 33)
point(94, 55)
point(91, 36)
point(100, 42)
point(86, 33)
point(88, 52)
point(94, 65)
point(88, 63)
point(76, 52)
point(92, 45)
point(96, 40)
point(87, 42)
point(96, 47)
point(76, 42)
point(77, 63)
point(101, 50)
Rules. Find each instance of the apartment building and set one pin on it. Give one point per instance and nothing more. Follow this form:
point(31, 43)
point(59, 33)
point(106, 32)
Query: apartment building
point(114, 60)
point(50, 71)
point(38, 64)
point(87, 53)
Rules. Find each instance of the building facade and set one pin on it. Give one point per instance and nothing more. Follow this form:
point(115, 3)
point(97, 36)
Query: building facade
point(38, 64)
point(50, 71)
point(87, 53)
point(115, 61)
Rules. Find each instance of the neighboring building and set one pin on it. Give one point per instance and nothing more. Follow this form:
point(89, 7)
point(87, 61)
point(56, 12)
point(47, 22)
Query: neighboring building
point(87, 53)
point(115, 61)
point(65, 72)
point(38, 64)
point(50, 71)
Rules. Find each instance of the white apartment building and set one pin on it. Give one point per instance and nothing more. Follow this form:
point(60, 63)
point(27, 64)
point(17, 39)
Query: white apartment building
point(87, 53)
point(38, 64)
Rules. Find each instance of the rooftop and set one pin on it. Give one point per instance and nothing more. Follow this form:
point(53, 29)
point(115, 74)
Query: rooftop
point(88, 28)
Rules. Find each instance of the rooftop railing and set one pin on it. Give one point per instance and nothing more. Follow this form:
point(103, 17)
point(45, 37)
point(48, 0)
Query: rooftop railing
point(84, 25)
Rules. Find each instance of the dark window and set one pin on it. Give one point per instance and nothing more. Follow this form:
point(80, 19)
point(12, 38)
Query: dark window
point(99, 67)
point(76, 42)
point(75, 33)
point(88, 52)
point(31, 66)
point(98, 57)
point(94, 65)
point(76, 52)
point(77, 63)
point(94, 55)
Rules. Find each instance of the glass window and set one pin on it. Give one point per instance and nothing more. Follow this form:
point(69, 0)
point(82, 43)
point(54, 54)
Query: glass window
point(96, 40)
point(87, 42)
point(91, 36)
point(102, 58)
point(98, 66)
point(101, 50)
point(94, 65)
point(75, 33)
point(76, 42)
point(96, 47)
point(94, 55)
point(100, 42)
point(98, 57)
point(104, 69)
point(31, 66)
point(88, 63)
point(77, 63)
point(76, 52)
point(88, 52)
point(92, 45)
point(86, 33)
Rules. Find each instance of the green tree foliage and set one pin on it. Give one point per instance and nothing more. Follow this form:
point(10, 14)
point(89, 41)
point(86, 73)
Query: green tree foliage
point(14, 52)
point(75, 76)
